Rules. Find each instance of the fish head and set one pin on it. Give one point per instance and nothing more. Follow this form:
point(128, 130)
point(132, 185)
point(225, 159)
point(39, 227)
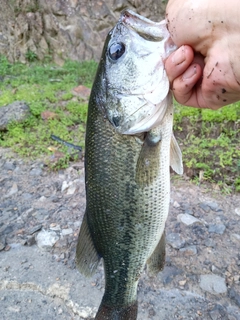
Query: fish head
point(133, 78)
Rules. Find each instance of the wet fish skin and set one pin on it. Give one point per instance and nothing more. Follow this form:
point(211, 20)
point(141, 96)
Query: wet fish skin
point(128, 189)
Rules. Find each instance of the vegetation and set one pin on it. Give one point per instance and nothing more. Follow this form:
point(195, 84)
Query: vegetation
point(45, 88)
point(209, 139)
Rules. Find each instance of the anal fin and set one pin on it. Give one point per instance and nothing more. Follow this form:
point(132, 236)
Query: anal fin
point(87, 257)
point(157, 260)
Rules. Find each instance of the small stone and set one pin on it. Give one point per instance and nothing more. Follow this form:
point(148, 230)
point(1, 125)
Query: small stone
point(217, 228)
point(35, 229)
point(182, 283)
point(71, 189)
point(64, 186)
point(189, 251)
point(175, 240)
point(36, 172)
point(13, 190)
point(213, 284)
point(204, 206)
point(235, 237)
point(9, 166)
point(187, 219)
point(176, 204)
point(31, 241)
point(67, 231)
point(46, 239)
point(82, 92)
point(49, 115)
point(42, 199)
point(214, 206)
point(237, 211)
point(2, 243)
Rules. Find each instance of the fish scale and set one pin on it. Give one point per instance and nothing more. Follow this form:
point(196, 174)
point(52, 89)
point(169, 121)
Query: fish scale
point(127, 190)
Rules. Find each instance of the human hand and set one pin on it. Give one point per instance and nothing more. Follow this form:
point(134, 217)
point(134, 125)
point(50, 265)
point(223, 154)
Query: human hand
point(205, 70)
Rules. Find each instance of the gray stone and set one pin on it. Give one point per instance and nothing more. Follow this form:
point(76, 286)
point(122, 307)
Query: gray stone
point(187, 219)
point(67, 231)
point(237, 211)
point(36, 172)
point(12, 191)
point(189, 250)
point(217, 228)
point(213, 284)
point(46, 239)
point(175, 240)
point(2, 243)
point(17, 111)
point(9, 165)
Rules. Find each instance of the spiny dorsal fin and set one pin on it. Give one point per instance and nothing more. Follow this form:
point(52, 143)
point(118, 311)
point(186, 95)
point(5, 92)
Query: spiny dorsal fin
point(176, 156)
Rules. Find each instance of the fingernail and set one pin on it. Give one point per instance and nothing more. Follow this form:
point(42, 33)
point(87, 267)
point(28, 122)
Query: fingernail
point(191, 71)
point(179, 56)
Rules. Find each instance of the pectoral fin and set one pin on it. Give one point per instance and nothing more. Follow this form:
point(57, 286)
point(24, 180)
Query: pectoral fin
point(156, 262)
point(175, 156)
point(87, 257)
point(148, 161)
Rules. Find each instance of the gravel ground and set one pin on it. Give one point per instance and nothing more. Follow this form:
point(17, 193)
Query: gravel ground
point(40, 217)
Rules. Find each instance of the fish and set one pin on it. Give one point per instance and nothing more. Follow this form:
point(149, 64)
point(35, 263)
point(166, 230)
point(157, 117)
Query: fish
point(129, 148)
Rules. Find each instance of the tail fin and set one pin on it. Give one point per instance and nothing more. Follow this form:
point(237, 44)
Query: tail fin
point(111, 313)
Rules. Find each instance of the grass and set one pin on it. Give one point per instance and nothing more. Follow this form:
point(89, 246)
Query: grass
point(209, 139)
point(45, 87)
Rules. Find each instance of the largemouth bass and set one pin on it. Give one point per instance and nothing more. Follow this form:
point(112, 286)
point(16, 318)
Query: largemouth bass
point(129, 148)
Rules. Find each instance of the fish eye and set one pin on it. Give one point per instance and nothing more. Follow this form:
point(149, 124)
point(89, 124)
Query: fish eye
point(116, 50)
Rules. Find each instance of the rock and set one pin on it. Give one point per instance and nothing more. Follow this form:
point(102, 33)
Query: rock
point(237, 211)
point(187, 219)
point(175, 240)
point(2, 243)
point(72, 188)
point(35, 229)
point(213, 284)
point(189, 251)
point(169, 273)
point(67, 231)
point(9, 165)
point(176, 204)
point(82, 92)
point(214, 206)
point(217, 228)
point(204, 206)
point(49, 115)
point(218, 312)
point(12, 191)
point(235, 237)
point(36, 172)
point(74, 32)
point(46, 239)
point(17, 111)
point(64, 185)
point(234, 296)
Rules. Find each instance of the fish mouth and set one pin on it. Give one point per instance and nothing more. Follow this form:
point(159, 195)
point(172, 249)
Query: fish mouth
point(147, 29)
